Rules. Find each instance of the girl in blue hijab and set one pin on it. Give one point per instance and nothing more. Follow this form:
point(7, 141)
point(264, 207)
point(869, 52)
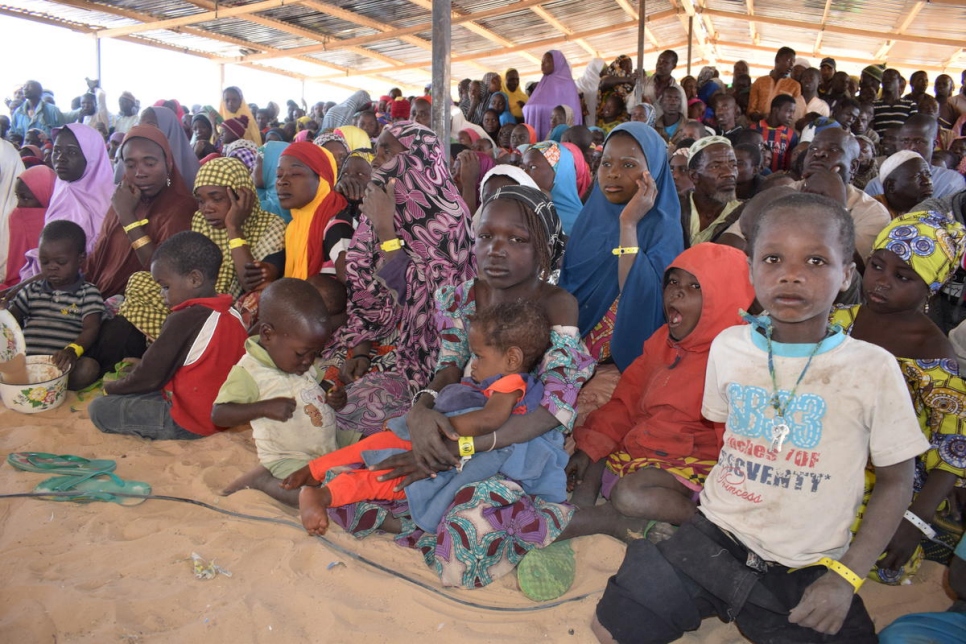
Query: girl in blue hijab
point(501, 103)
point(268, 164)
point(561, 182)
point(618, 280)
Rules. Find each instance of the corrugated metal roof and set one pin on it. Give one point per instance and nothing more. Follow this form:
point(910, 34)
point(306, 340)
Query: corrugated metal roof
point(362, 36)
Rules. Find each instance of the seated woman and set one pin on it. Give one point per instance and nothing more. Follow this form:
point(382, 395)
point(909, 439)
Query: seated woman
point(149, 206)
point(83, 189)
point(649, 445)
point(492, 523)
point(551, 165)
point(33, 189)
point(557, 87)
point(178, 144)
point(304, 184)
point(335, 144)
point(402, 252)
point(617, 80)
point(911, 260)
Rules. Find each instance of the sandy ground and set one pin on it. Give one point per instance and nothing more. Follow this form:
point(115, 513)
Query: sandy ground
point(101, 572)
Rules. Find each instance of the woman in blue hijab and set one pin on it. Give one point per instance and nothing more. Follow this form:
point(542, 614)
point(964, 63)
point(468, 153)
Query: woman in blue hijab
point(619, 282)
point(501, 103)
point(551, 166)
point(264, 175)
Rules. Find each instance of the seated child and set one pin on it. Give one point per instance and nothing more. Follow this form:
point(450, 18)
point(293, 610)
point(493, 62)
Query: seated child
point(911, 260)
point(275, 387)
point(649, 441)
point(170, 391)
point(507, 340)
point(805, 407)
point(60, 313)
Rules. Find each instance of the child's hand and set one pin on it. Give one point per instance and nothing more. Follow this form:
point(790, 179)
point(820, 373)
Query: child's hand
point(576, 469)
point(336, 397)
point(299, 478)
point(642, 201)
point(241, 207)
point(280, 409)
point(258, 275)
point(824, 604)
point(351, 188)
point(64, 359)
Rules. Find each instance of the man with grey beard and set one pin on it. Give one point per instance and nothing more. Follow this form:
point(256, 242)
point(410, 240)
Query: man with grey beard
point(706, 211)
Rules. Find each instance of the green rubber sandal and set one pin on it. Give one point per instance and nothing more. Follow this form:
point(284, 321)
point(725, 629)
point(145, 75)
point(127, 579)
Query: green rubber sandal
point(547, 573)
point(96, 486)
point(44, 463)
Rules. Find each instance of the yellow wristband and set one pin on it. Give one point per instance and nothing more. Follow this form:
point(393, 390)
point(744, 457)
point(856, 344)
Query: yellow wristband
point(467, 448)
point(391, 244)
point(237, 242)
point(839, 569)
point(140, 242)
point(76, 348)
point(130, 227)
point(626, 250)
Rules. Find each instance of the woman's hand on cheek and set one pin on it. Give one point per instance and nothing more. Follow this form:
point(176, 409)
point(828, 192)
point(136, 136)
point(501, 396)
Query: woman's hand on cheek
point(642, 201)
point(241, 208)
point(125, 200)
point(379, 205)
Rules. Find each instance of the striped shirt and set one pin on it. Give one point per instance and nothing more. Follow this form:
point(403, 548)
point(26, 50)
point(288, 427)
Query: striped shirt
point(52, 319)
point(887, 116)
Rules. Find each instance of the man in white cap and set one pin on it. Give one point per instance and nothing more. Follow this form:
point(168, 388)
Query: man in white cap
point(127, 117)
point(906, 181)
point(801, 64)
point(919, 135)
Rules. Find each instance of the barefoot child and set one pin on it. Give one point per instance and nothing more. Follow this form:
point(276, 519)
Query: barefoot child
point(169, 393)
point(649, 441)
point(911, 260)
point(275, 387)
point(507, 341)
point(61, 313)
point(804, 408)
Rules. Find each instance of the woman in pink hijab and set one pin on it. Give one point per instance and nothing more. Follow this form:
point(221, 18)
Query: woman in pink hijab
point(83, 188)
point(557, 87)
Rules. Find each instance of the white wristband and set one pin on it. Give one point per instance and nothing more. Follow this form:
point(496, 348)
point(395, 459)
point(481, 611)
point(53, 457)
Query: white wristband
point(924, 527)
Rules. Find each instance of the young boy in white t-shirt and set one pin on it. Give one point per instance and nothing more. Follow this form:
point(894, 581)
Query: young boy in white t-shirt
point(805, 407)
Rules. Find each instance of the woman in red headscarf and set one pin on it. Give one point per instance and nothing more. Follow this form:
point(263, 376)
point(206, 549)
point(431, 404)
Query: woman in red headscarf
point(306, 174)
point(33, 188)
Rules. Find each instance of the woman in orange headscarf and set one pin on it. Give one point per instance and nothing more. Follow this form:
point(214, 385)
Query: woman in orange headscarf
point(306, 176)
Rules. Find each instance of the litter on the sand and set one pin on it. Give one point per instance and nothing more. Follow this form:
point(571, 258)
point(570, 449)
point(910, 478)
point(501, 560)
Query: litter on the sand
point(334, 564)
point(205, 569)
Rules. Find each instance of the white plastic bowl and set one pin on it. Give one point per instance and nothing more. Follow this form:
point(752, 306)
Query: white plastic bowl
point(46, 391)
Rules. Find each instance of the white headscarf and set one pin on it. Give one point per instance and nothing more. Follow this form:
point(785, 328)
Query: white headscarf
point(504, 170)
point(10, 168)
point(589, 81)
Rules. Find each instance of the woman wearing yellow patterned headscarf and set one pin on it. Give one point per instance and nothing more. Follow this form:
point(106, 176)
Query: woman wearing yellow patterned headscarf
point(251, 240)
point(357, 141)
point(911, 260)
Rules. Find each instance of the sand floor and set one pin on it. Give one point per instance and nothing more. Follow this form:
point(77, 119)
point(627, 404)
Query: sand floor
point(101, 572)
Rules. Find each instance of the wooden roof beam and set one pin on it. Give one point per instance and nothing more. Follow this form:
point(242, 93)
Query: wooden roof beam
point(538, 45)
point(883, 53)
point(548, 18)
point(632, 12)
point(396, 33)
point(835, 29)
point(205, 16)
point(838, 59)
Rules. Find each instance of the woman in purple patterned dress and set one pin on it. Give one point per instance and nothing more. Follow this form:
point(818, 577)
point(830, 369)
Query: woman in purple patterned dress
point(413, 239)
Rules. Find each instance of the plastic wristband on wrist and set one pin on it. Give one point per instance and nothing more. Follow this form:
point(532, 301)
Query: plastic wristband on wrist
point(924, 527)
point(391, 244)
point(237, 242)
point(419, 393)
point(76, 348)
point(626, 250)
point(839, 569)
point(136, 224)
point(140, 242)
point(467, 447)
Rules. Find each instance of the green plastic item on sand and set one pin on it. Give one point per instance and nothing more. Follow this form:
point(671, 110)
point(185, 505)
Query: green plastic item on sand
point(45, 463)
point(96, 486)
point(547, 573)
